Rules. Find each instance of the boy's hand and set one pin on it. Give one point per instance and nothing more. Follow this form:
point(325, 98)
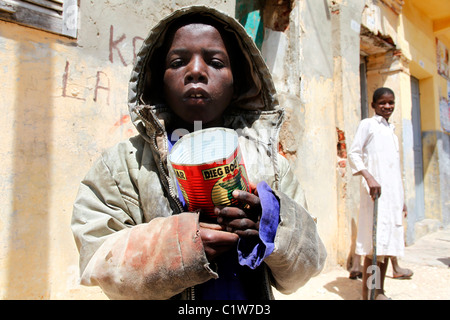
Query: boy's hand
point(243, 220)
point(233, 222)
point(374, 186)
point(215, 240)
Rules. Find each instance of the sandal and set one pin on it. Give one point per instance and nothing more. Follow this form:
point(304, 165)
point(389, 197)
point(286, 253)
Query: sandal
point(355, 274)
point(406, 275)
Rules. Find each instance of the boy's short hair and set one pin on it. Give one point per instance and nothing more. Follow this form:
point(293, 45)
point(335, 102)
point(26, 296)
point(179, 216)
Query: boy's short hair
point(381, 91)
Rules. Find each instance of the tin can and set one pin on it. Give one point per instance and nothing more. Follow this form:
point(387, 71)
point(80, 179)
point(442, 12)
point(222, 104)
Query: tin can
point(209, 166)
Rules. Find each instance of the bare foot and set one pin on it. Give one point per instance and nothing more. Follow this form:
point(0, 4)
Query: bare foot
point(402, 273)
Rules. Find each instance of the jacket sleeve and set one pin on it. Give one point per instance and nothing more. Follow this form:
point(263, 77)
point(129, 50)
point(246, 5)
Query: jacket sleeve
point(154, 260)
point(299, 253)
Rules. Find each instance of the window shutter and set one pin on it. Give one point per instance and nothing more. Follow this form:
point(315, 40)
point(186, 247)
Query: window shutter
point(57, 16)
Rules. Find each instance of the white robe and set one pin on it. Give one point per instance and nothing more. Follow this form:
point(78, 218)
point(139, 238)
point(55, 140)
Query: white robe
point(375, 148)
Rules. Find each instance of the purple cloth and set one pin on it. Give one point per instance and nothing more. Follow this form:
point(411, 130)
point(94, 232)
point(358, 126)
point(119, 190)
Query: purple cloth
point(252, 252)
point(180, 195)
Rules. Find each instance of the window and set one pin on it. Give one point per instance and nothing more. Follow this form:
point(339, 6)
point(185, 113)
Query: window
point(56, 16)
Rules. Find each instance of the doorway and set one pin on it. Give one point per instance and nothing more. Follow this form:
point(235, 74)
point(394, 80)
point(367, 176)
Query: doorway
point(363, 87)
point(417, 146)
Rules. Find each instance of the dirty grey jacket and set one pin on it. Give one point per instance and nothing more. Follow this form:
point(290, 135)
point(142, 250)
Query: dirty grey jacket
point(134, 239)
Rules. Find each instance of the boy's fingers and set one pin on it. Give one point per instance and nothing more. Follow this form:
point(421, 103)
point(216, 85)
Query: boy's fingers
point(241, 224)
point(233, 219)
point(229, 213)
point(253, 188)
point(212, 226)
point(246, 197)
point(217, 238)
point(247, 233)
point(216, 242)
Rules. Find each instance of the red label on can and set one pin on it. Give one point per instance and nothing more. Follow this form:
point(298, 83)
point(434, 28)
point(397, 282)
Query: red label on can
point(209, 185)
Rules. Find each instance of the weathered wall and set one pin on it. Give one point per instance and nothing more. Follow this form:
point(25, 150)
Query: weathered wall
point(64, 101)
point(346, 26)
point(309, 135)
point(419, 47)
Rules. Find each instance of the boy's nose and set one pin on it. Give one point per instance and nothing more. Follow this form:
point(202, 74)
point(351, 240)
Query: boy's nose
point(196, 71)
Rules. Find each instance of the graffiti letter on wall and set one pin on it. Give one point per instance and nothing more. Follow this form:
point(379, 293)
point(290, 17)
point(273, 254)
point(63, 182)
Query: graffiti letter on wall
point(64, 83)
point(113, 45)
point(134, 47)
point(98, 86)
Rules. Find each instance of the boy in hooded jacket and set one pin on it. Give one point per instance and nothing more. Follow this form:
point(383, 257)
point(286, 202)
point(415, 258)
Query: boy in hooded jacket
point(136, 238)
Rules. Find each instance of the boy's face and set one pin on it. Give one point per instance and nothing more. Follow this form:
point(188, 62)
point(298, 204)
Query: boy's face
point(384, 106)
point(198, 81)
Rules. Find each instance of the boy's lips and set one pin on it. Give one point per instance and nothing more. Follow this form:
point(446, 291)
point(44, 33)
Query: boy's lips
point(196, 93)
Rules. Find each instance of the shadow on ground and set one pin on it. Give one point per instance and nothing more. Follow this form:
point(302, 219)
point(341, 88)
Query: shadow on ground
point(346, 288)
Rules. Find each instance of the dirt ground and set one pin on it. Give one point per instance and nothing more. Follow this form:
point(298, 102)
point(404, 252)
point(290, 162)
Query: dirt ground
point(428, 258)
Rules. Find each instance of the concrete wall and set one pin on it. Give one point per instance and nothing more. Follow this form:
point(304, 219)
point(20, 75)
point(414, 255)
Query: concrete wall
point(309, 133)
point(347, 19)
point(314, 84)
point(419, 47)
point(64, 101)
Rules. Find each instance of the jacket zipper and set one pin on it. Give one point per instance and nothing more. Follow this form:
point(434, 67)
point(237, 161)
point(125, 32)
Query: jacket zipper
point(169, 185)
point(172, 194)
point(191, 294)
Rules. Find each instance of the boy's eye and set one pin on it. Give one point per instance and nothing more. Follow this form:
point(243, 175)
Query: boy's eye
point(215, 63)
point(391, 103)
point(176, 63)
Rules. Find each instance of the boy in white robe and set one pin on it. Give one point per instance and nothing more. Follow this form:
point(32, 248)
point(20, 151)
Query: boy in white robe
point(374, 155)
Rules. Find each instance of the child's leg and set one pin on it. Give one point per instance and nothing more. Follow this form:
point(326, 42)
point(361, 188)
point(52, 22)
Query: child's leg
point(383, 268)
point(379, 278)
point(355, 271)
point(365, 276)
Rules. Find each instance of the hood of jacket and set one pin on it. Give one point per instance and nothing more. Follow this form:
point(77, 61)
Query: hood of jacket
point(256, 106)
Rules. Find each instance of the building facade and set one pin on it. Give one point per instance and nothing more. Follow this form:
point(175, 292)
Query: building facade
point(65, 70)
